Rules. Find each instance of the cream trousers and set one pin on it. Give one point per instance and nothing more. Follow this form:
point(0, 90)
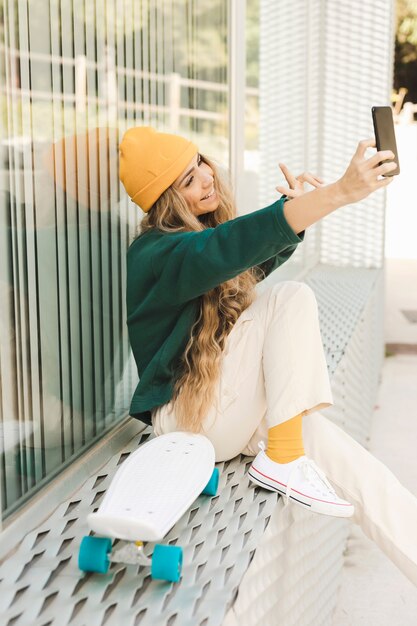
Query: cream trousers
point(273, 369)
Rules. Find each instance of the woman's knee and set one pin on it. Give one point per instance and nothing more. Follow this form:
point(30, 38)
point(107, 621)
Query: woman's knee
point(300, 294)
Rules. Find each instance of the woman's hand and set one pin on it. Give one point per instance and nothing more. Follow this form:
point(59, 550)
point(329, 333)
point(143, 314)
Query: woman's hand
point(361, 178)
point(362, 175)
point(296, 183)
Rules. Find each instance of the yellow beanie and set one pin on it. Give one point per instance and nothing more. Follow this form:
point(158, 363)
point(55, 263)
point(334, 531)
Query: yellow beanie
point(150, 162)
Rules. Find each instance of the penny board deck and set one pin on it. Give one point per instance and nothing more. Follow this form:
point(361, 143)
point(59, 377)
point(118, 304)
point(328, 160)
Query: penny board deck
point(154, 487)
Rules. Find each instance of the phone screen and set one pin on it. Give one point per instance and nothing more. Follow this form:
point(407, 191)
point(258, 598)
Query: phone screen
point(385, 133)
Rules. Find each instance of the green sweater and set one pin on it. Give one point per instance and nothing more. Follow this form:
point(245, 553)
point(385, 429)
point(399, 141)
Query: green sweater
point(167, 273)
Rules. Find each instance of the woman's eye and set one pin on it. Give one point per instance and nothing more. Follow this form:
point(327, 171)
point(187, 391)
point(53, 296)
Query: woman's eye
point(190, 180)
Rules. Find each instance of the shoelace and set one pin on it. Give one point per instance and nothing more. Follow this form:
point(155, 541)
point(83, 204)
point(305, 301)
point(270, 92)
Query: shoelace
point(310, 470)
point(311, 473)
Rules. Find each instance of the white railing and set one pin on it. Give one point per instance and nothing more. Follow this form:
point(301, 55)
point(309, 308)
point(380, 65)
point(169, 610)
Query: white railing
point(110, 99)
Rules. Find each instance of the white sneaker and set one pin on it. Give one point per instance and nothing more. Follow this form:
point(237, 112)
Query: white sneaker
point(300, 481)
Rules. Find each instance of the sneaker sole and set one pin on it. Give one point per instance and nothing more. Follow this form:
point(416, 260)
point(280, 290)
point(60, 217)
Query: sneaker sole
point(316, 507)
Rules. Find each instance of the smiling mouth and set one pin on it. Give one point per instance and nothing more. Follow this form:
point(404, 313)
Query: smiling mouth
point(208, 195)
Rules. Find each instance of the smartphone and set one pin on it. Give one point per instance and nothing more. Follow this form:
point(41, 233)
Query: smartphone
point(385, 134)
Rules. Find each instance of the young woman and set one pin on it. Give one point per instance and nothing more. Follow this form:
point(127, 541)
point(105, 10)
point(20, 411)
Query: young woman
point(243, 368)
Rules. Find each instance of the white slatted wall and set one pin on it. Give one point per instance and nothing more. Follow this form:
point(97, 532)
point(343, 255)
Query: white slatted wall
point(323, 64)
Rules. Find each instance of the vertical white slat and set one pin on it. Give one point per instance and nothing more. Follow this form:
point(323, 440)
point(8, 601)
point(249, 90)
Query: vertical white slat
point(71, 230)
point(16, 458)
point(125, 54)
point(119, 231)
point(13, 457)
point(188, 69)
point(104, 233)
point(236, 94)
point(10, 487)
point(25, 188)
point(163, 64)
point(21, 311)
point(55, 161)
point(160, 62)
point(224, 103)
point(131, 213)
point(126, 210)
point(138, 80)
point(121, 41)
point(123, 59)
point(192, 62)
point(128, 214)
point(172, 88)
point(183, 30)
point(45, 235)
point(145, 60)
point(153, 68)
point(313, 162)
point(94, 53)
point(4, 278)
point(198, 26)
point(111, 80)
point(85, 145)
point(98, 269)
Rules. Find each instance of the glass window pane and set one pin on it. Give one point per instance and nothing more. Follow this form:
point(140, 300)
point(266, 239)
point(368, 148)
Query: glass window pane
point(74, 75)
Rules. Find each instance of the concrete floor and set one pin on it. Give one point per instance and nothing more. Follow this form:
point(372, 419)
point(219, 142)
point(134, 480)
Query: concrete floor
point(374, 592)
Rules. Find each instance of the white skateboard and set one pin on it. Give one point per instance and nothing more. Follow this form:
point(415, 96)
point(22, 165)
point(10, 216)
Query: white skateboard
point(148, 494)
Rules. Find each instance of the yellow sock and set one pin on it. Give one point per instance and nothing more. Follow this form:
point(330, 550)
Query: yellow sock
point(285, 441)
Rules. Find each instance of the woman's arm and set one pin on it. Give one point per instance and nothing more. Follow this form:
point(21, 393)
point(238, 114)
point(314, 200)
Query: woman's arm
point(360, 179)
point(185, 265)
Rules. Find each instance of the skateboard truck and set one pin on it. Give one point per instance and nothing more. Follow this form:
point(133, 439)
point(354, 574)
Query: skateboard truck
point(131, 554)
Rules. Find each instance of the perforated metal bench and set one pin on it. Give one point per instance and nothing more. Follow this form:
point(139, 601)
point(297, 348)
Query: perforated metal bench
point(247, 559)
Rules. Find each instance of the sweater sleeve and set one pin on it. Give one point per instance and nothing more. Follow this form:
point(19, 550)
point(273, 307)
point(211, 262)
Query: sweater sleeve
point(187, 265)
point(267, 267)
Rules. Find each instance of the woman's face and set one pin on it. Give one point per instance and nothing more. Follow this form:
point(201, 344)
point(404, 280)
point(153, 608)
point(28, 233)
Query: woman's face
point(196, 185)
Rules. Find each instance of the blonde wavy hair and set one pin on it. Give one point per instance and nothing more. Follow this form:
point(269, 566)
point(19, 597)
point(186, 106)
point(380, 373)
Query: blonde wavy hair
point(219, 309)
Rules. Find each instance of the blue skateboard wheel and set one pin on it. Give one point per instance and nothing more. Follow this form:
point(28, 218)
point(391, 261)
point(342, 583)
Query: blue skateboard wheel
point(166, 563)
point(211, 488)
point(94, 554)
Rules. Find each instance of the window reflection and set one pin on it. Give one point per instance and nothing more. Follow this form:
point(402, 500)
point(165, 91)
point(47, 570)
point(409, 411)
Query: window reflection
point(74, 75)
